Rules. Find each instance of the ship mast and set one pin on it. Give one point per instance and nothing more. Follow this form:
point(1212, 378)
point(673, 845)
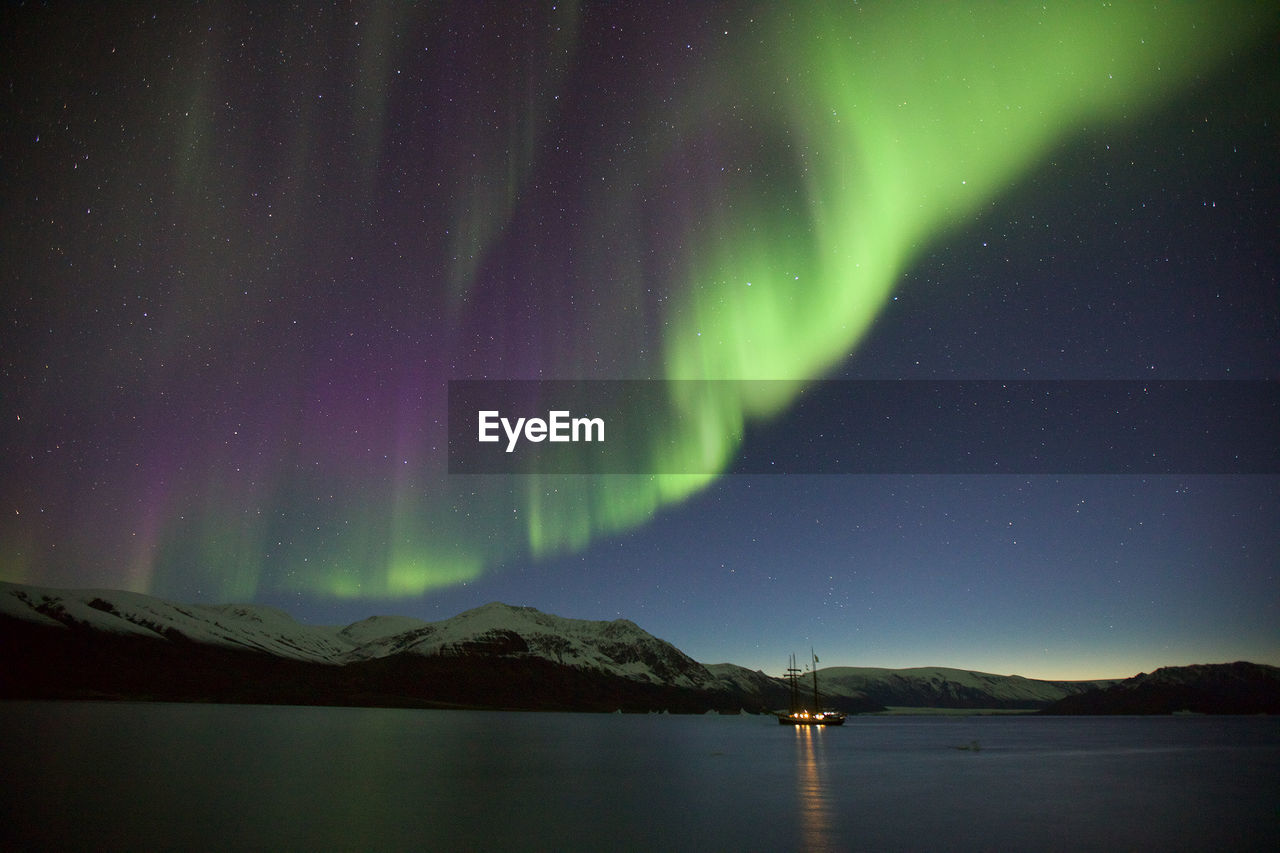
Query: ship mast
point(793, 676)
point(817, 704)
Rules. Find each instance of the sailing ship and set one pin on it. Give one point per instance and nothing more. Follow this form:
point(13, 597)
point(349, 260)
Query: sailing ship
point(799, 715)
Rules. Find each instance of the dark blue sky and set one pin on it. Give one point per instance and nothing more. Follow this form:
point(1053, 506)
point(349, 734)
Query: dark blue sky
point(247, 248)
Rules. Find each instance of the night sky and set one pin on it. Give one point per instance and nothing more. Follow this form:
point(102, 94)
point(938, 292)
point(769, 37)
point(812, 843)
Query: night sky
point(245, 247)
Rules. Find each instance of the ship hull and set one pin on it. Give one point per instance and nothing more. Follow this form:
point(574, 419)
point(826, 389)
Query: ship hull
point(796, 720)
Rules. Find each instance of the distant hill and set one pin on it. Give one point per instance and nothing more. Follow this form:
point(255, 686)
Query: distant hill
point(1225, 688)
point(940, 687)
point(760, 690)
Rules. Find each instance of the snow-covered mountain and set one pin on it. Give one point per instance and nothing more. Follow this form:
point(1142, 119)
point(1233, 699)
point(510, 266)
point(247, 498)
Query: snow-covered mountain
point(619, 647)
point(244, 627)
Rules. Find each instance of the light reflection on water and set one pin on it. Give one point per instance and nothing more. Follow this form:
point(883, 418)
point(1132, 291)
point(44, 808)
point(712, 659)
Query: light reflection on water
point(811, 790)
point(123, 776)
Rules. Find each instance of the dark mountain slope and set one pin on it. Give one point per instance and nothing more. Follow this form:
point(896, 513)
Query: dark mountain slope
point(1226, 688)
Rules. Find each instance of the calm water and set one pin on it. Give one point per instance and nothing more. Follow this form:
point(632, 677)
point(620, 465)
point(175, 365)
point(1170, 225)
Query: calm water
point(150, 776)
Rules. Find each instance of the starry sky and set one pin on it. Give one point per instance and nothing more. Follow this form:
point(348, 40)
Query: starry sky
point(246, 247)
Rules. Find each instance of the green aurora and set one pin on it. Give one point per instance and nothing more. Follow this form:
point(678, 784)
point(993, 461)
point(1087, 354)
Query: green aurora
point(899, 123)
point(829, 144)
point(869, 134)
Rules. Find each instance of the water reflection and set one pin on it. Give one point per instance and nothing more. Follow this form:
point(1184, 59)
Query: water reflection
point(816, 832)
point(144, 776)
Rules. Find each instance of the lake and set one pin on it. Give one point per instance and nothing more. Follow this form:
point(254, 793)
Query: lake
point(130, 776)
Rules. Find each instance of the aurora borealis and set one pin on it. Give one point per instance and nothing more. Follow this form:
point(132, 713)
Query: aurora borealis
point(246, 248)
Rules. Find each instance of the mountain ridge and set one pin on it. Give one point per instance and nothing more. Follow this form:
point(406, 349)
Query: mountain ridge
point(119, 644)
